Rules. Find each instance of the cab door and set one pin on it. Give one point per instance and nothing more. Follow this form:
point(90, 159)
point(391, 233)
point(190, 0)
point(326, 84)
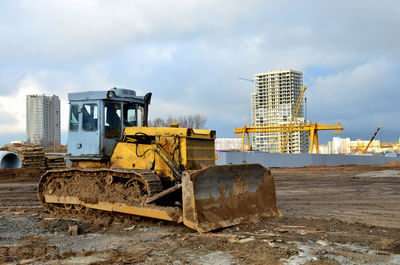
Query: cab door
point(84, 135)
point(113, 126)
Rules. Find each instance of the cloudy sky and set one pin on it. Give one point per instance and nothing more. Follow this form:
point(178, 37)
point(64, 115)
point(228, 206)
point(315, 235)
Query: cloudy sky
point(189, 54)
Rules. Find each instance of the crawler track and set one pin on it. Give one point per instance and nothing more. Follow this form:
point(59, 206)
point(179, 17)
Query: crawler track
point(92, 185)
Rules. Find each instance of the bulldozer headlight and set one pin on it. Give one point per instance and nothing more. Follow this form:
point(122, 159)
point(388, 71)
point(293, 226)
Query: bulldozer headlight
point(110, 94)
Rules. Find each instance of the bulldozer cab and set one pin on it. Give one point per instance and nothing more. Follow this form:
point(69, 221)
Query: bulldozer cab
point(97, 120)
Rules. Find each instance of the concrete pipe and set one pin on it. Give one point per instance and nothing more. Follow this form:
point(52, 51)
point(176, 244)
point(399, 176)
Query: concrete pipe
point(9, 160)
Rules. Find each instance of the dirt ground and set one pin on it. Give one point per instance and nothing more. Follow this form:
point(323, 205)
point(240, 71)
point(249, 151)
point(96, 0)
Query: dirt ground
point(331, 215)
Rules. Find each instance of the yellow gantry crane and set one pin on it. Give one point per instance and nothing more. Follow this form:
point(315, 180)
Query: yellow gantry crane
point(313, 129)
point(293, 118)
point(395, 146)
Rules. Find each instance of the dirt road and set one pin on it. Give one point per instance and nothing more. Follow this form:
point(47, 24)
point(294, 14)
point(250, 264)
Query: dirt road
point(332, 215)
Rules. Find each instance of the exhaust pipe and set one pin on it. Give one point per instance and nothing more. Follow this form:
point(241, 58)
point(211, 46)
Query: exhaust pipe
point(9, 160)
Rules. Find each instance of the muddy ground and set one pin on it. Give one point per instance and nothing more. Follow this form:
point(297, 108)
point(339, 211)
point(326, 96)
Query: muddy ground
point(331, 215)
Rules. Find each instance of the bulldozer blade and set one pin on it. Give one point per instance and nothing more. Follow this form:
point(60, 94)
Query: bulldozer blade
point(222, 196)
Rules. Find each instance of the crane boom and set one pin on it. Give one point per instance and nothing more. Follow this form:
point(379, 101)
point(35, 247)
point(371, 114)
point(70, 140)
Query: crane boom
point(372, 138)
point(246, 79)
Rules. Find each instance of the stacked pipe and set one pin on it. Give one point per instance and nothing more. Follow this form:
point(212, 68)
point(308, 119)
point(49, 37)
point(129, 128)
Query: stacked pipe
point(32, 156)
point(9, 160)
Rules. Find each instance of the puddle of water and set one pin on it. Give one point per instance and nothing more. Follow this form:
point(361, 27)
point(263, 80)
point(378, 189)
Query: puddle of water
point(394, 259)
point(214, 258)
point(84, 260)
point(347, 254)
point(381, 174)
point(352, 248)
point(306, 254)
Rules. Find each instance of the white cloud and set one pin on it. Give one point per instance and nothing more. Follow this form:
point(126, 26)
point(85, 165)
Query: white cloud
point(162, 108)
point(360, 98)
point(73, 31)
point(53, 31)
point(57, 82)
point(156, 54)
point(14, 104)
point(364, 85)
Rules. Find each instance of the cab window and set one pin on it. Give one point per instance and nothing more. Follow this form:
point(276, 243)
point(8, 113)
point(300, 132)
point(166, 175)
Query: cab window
point(112, 119)
point(89, 113)
point(74, 118)
point(130, 115)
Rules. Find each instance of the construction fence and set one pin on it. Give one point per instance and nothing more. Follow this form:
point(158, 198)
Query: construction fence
point(302, 160)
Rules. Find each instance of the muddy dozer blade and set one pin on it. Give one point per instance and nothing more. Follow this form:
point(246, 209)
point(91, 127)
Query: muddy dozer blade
point(222, 196)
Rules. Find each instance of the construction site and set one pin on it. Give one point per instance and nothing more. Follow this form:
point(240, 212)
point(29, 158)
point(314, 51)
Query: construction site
point(125, 193)
point(330, 215)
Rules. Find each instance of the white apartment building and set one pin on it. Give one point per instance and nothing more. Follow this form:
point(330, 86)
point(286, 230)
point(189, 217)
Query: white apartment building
point(272, 103)
point(229, 144)
point(43, 120)
point(347, 146)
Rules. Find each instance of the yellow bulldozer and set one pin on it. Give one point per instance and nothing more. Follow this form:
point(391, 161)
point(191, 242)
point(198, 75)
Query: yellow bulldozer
point(117, 163)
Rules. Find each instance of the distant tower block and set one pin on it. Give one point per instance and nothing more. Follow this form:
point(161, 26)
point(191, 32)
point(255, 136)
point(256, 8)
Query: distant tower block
point(272, 103)
point(43, 120)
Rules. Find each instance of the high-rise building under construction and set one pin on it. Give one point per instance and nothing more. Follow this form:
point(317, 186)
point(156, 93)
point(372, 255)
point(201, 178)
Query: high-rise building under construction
point(43, 120)
point(272, 103)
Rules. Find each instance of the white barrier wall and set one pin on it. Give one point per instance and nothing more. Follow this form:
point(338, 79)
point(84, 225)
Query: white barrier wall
point(301, 160)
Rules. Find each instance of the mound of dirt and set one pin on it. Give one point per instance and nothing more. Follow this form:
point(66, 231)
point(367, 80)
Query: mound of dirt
point(316, 166)
point(61, 225)
point(393, 163)
point(20, 174)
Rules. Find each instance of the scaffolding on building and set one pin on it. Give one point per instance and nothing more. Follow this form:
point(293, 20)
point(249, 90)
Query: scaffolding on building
point(272, 104)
